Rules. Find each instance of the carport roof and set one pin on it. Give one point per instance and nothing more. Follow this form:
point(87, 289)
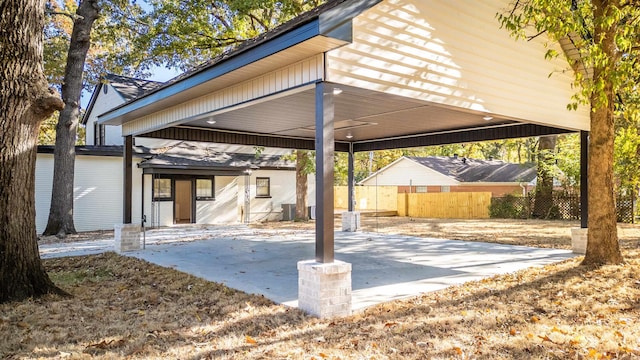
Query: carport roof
point(326, 27)
point(365, 119)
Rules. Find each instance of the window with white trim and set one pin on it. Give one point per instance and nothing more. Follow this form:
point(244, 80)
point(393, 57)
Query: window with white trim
point(263, 187)
point(204, 189)
point(161, 189)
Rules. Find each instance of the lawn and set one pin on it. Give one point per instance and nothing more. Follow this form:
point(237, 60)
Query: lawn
point(127, 308)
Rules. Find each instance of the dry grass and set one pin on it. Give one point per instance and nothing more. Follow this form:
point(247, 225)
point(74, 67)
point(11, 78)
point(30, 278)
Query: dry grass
point(127, 308)
point(539, 233)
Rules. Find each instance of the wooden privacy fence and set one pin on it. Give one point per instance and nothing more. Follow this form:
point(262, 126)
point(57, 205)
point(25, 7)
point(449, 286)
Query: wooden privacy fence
point(368, 197)
point(452, 205)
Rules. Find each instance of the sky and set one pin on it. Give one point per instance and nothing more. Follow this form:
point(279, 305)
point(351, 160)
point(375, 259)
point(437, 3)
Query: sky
point(158, 74)
point(163, 74)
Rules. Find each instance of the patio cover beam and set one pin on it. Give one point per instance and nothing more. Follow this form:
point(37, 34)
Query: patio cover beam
point(459, 136)
point(239, 138)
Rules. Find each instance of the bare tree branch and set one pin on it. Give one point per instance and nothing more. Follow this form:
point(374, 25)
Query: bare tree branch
point(71, 16)
point(529, 38)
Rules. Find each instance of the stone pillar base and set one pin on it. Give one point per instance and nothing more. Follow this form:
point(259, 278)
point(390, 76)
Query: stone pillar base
point(324, 289)
point(127, 237)
point(579, 240)
point(350, 221)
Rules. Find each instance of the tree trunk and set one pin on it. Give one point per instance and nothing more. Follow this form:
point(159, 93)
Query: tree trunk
point(25, 101)
point(543, 202)
point(302, 160)
point(60, 221)
point(602, 241)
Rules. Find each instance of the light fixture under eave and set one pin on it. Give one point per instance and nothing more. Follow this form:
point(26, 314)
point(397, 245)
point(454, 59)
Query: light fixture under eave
point(349, 136)
point(211, 121)
point(487, 118)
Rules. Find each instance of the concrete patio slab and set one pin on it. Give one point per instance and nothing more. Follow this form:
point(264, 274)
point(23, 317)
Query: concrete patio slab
point(385, 267)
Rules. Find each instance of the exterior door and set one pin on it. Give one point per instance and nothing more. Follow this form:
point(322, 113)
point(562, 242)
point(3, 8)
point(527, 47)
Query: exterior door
point(183, 202)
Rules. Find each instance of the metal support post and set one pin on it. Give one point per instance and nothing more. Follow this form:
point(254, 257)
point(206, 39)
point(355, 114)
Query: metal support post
point(350, 180)
point(128, 179)
point(584, 183)
point(324, 145)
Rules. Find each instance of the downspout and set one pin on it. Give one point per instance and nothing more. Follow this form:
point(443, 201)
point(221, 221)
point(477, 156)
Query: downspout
point(247, 196)
point(524, 189)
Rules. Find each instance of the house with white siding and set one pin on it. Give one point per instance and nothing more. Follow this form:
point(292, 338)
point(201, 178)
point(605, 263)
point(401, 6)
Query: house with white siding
point(174, 182)
point(217, 188)
point(434, 174)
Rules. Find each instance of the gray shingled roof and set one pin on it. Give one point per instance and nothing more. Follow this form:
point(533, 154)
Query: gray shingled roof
point(186, 155)
point(130, 88)
point(196, 155)
point(473, 170)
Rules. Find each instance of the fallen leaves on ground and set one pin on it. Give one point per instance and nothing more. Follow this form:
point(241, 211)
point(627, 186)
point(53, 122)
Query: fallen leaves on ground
point(127, 308)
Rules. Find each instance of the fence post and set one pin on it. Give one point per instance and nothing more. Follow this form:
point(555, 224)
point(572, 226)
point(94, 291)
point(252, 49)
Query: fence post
point(406, 204)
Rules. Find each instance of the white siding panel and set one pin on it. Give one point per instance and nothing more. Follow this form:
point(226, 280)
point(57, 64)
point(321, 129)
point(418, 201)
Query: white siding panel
point(291, 76)
point(224, 209)
point(44, 184)
point(113, 135)
point(103, 103)
point(97, 192)
point(283, 185)
point(455, 54)
point(406, 172)
point(162, 213)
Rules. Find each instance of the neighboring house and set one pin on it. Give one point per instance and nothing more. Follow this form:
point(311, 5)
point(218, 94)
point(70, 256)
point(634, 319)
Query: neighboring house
point(454, 174)
point(174, 182)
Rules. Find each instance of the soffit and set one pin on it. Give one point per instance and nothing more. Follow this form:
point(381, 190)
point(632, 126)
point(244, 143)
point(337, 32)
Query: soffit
point(360, 115)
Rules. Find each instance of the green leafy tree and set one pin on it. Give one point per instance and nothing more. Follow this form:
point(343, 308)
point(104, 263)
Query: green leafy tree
point(627, 164)
point(546, 172)
point(47, 133)
point(184, 34)
point(568, 160)
point(605, 34)
point(627, 143)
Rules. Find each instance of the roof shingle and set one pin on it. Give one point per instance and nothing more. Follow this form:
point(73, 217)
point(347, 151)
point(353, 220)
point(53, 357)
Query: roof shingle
point(473, 170)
